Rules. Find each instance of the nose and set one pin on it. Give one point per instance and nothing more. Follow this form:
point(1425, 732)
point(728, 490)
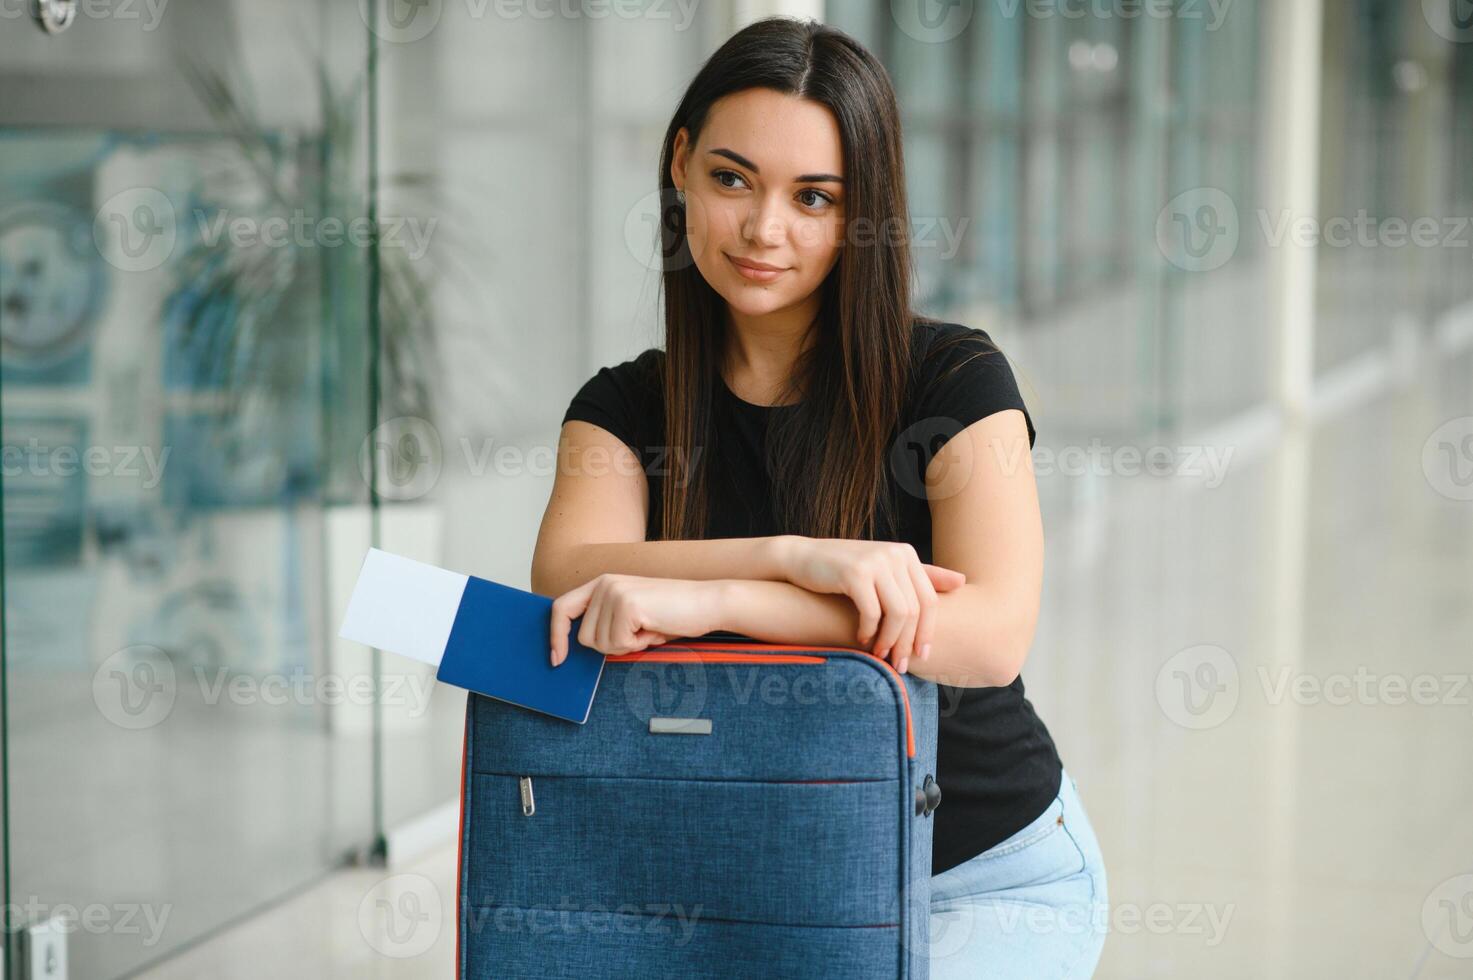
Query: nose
point(765, 224)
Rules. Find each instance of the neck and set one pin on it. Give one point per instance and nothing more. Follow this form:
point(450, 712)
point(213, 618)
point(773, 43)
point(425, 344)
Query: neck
point(761, 351)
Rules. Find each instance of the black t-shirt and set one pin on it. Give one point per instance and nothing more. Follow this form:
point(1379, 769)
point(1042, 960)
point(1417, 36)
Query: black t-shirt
point(996, 762)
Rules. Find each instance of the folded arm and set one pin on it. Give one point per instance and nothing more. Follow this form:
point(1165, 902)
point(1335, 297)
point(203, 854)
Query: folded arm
point(985, 523)
point(967, 622)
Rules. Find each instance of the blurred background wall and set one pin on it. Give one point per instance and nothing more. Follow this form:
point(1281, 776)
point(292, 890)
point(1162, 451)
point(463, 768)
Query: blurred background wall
point(1225, 245)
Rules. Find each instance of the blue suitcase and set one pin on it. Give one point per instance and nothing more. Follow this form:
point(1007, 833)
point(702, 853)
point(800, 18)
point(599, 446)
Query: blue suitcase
point(730, 809)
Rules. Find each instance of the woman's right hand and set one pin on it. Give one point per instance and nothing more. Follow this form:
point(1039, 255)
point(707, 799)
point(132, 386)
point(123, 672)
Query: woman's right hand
point(894, 591)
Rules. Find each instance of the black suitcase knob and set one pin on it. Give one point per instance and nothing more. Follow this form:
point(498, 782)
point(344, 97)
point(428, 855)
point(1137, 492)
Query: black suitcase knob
point(928, 797)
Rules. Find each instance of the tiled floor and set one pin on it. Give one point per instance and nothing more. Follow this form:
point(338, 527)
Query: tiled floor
point(1203, 674)
point(340, 927)
point(1261, 685)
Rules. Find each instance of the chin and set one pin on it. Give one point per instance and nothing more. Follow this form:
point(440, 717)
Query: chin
point(755, 301)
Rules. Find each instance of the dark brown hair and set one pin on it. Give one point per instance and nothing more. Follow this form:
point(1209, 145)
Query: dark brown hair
point(827, 457)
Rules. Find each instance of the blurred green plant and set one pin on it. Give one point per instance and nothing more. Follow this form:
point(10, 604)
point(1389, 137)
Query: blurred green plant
point(270, 320)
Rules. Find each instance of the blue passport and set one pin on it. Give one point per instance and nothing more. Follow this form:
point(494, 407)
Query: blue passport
point(480, 635)
point(499, 647)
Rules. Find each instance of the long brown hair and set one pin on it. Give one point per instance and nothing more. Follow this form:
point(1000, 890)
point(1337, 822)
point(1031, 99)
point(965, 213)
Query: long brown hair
point(826, 457)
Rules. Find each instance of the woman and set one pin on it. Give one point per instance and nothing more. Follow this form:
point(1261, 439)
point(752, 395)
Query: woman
point(804, 446)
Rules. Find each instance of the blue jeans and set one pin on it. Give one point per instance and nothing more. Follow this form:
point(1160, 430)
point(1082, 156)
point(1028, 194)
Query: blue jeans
point(1034, 906)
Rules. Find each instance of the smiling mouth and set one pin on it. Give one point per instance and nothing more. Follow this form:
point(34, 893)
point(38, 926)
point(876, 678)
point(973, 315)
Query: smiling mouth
point(758, 275)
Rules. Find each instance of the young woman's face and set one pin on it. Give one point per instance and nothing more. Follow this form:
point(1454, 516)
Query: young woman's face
point(763, 185)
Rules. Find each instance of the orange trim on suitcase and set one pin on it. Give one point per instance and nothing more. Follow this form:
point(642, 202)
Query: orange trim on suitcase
point(703, 656)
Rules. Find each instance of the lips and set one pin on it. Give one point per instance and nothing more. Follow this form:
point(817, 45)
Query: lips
point(756, 271)
point(759, 266)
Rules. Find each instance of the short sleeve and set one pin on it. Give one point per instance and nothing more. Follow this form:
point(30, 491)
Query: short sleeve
point(965, 377)
point(619, 400)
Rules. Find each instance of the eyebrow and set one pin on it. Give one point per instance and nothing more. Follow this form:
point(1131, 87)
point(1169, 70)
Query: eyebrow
point(800, 179)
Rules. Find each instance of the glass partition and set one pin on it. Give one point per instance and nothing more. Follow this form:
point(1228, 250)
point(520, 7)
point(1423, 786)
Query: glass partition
point(1045, 148)
point(524, 149)
point(183, 396)
point(208, 359)
point(1395, 190)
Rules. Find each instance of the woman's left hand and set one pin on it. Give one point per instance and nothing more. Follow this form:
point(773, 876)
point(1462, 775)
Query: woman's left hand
point(626, 613)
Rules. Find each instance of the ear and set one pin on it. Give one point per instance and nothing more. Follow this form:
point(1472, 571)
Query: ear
point(679, 157)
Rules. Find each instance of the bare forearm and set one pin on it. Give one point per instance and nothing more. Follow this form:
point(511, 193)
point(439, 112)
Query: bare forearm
point(973, 645)
point(716, 558)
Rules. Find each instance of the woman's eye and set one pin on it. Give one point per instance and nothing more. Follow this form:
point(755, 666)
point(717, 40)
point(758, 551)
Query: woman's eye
point(822, 197)
point(810, 197)
point(726, 173)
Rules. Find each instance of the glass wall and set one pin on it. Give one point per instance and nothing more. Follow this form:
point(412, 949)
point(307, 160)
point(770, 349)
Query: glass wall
point(525, 142)
point(1061, 133)
point(1397, 177)
point(529, 147)
point(1063, 136)
point(208, 360)
point(183, 396)
point(1094, 183)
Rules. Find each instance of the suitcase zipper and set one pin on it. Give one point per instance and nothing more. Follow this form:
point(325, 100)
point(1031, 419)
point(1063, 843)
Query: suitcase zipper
point(529, 805)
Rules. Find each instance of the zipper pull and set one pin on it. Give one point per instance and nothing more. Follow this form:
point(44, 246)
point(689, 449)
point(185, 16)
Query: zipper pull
point(529, 806)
